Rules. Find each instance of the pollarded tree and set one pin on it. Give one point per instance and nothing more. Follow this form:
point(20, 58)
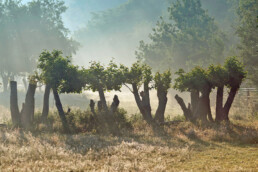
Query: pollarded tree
point(101, 79)
point(218, 76)
point(63, 77)
point(162, 84)
point(236, 75)
point(140, 75)
point(195, 82)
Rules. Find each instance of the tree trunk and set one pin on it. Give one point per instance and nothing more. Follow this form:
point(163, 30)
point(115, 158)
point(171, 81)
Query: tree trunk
point(194, 100)
point(61, 111)
point(140, 103)
point(15, 114)
point(45, 110)
point(202, 108)
point(209, 109)
point(229, 102)
point(27, 115)
point(102, 98)
point(160, 113)
point(187, 111)
point(219, 104)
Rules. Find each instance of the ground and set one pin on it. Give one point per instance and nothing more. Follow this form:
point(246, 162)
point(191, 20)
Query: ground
point(180, 146)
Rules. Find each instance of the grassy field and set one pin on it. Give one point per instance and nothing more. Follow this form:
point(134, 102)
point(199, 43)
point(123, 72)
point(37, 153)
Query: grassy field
point(180, 146)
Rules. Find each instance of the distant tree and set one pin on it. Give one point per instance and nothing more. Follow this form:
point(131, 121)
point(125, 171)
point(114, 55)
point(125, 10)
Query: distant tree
point(100, 78)
point(247, 30)
point(63, 77)
point(140, 75)
point(190, 38)
point(28, 29)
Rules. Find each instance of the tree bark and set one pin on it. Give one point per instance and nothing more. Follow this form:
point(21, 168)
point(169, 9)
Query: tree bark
point(15, 114)
point(219, 104)
point(139, 102)
point(27, 115)
point(187, 111)
point(160, 113)
point(229, 102)
point(102, 98)
point(202, 108)
point(194, 100)
point(45, 110)
point(61, 111)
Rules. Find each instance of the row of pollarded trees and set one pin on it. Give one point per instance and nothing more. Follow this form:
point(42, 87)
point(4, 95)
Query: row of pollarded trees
point(200, 82)
point(58, 74)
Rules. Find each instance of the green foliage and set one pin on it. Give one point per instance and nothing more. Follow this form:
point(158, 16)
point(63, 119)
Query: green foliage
point(138, 74)
point(59, 73)
point(199, 79)
point(109, 78)
point(236, 71)
point(190, 38)
point(217, 75)
point(163, 80)
point(195, 80)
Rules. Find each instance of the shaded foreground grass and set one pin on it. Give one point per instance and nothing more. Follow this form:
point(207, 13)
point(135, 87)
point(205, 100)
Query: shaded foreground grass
point(178, 147)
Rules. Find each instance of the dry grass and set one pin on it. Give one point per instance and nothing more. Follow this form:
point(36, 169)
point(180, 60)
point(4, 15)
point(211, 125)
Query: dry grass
point(179, 147)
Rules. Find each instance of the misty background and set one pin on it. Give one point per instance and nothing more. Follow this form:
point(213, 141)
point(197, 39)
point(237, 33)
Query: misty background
point(99, 30)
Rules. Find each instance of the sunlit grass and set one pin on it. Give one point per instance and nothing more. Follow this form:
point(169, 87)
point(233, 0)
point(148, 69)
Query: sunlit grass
point(179, 147)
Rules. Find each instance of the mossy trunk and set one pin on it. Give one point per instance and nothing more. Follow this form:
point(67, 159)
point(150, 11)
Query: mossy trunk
point(45, 110)
point(61, 111)
point(27, 114)
point(15, 113)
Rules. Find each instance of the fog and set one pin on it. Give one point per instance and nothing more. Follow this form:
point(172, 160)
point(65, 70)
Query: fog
point(92, 30)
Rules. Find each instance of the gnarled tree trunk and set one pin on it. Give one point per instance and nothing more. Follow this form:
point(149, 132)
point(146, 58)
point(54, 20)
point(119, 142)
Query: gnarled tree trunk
point(102, 98)
point(61, 111)
point(27, 114)
point(160, 113)
point(228, 104)
point(219, 104)
point(15, 114)
point(142, 107)
point(194, 100)
point(187, 111)
point(45, 110)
